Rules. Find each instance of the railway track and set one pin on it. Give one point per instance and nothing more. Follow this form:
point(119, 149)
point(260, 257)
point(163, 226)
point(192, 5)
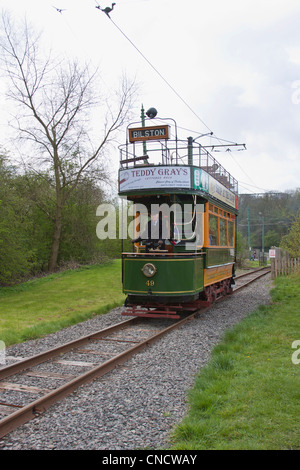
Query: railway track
point(88, 357)
point(243, 280)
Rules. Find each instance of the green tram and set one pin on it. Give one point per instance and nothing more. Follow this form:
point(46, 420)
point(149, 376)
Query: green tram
point(185, 206)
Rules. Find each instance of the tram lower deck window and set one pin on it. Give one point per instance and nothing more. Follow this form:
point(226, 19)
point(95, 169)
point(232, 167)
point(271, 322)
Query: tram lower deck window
point(223, 232)
point(230, 233)
point(220, 227)
point(213, 230)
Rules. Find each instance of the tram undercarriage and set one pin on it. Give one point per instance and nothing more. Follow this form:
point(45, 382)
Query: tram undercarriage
point(155, 309)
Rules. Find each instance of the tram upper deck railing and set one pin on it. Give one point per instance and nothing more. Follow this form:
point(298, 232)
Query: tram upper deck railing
point(169, 152)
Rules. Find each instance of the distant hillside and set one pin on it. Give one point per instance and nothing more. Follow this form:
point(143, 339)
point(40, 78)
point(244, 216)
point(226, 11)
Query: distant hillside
point(273, 212)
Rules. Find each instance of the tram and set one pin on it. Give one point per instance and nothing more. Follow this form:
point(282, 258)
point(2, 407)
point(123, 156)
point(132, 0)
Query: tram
point(184, 206)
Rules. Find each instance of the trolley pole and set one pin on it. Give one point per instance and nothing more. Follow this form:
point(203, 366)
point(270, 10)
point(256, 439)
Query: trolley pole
point(143, 124)
point(190, 150)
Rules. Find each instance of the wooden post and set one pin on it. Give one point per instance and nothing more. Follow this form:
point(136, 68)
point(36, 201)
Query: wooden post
point(273, 268)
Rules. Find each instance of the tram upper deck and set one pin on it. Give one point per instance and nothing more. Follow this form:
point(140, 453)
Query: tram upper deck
point(194, 196)
point(151, 162)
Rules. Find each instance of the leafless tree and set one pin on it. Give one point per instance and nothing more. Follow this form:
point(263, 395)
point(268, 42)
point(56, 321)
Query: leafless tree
point(53, 103)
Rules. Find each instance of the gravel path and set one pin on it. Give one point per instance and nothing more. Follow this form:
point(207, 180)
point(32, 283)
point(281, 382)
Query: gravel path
point(135, 406)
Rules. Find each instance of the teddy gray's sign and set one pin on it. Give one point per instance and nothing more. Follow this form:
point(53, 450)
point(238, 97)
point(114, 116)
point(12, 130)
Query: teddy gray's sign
point(154, 178)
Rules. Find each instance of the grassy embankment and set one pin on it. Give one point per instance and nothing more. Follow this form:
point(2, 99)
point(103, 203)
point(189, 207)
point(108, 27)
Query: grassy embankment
point(45, 305)
point(247, 397)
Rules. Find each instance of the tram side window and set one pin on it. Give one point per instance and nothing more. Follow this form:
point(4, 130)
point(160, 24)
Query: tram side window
point(213, 230)
point(221, 227)
point(223, 232)
point(230, 233)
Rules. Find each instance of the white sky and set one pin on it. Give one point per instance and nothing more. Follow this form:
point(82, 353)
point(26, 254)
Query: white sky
point(236, 63)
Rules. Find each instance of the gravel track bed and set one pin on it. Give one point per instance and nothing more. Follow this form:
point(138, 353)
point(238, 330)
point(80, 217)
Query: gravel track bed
point(136, 405)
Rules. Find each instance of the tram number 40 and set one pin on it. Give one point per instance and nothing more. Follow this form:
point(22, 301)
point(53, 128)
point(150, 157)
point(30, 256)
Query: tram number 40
point(150, 283)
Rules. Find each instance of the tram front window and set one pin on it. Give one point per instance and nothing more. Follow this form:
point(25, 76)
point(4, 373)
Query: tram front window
point(155, 232)
point(164, 222)
point(152, 224)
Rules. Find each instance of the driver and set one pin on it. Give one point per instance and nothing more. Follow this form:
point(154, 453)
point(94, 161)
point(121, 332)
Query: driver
point(153, 233)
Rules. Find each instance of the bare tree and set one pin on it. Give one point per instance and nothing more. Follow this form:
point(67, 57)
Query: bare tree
point(53, 103)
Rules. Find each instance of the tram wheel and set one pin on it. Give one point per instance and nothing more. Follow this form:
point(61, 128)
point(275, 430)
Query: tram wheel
point(210, 294)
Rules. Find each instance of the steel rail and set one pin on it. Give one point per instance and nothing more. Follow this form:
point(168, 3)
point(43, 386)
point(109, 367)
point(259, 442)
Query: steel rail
point(35, 408)
point(248, 273)
point(49, 354)
point(251, 280)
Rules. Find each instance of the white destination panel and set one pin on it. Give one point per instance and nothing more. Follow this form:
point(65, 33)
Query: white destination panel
point(154, 178)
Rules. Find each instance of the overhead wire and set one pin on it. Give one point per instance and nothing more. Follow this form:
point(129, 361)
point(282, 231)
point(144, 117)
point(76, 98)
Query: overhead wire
point(166, 81)
point(177, 94)
point(161, 76)
point(257, 187)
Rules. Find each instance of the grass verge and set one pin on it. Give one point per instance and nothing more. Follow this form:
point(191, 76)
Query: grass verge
point(247, 397)
point(42, 306)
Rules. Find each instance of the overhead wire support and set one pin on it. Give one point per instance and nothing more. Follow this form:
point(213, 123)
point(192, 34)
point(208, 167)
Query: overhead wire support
point(227, 146)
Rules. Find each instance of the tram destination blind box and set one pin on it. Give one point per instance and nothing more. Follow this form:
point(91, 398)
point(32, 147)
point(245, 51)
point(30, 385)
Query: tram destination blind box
point(148, 133)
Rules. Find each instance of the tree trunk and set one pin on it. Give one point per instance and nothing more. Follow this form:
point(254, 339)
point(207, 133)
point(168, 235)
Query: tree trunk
point(56, 238)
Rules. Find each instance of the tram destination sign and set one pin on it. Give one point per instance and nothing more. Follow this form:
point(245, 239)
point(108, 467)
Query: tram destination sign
point(148, 133)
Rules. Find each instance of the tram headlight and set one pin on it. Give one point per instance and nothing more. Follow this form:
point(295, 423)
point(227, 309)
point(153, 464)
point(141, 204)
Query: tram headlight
point(149, 270)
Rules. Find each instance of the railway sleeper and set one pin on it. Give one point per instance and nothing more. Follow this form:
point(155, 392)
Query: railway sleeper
point(153, 311)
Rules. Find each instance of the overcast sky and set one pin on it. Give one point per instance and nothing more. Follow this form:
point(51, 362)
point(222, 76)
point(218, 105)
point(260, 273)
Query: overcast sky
point(234, 66)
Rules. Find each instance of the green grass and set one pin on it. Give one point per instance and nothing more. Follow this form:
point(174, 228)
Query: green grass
point(247, 397)
point(45, 305)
